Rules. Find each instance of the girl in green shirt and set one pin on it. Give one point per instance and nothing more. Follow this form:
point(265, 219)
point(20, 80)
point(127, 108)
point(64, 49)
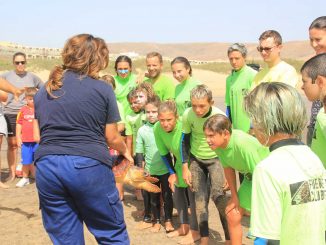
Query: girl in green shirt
point(168, 134)
point(182, 72)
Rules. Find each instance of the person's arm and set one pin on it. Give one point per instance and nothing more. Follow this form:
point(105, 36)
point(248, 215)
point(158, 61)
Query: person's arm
point(115, 141)
point(19, 134)
point(185, 151)
point(129, 143)
point(232, 181)
point(167, 159)
point(9, 88)
point(121, 127)
point(36, 131)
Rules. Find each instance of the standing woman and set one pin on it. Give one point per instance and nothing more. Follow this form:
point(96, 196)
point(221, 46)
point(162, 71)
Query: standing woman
point(125, 81)
point(182, 72)
point(76, 117)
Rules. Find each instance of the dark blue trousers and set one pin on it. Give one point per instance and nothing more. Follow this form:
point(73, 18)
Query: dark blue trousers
point(73, 190)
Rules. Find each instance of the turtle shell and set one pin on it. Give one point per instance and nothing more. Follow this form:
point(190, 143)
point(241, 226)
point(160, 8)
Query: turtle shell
point(120, 167)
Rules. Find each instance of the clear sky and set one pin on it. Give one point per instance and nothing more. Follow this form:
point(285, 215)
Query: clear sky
point(49, 23)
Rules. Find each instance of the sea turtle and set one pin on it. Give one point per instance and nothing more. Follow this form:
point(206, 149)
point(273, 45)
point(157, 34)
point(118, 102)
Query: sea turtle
point(126, 173)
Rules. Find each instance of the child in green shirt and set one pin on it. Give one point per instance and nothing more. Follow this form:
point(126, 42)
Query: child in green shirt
point(168, 135)
point(237, 151)
point(148, 155)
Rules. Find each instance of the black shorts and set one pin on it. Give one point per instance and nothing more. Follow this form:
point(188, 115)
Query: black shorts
point(11, 124)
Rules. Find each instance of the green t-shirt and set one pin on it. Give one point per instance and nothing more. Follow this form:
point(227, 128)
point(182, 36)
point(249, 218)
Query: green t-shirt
point(237, 86)
point(182, 94)
point(243, 153)
point(282, 72)
point(163, 87)
point(133, 122)
point(288, 197)
point(123, 87)
point(191, 124)
point(171, 143)
point(121, 112)
point(145, 143)
point(318, 144)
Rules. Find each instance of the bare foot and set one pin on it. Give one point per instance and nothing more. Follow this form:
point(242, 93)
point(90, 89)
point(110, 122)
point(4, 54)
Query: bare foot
point(156, 228)
point(176, 233)
point(144, 225)
point(10, 178)
point(190, 238)
point(2, 185)
point(168, 226)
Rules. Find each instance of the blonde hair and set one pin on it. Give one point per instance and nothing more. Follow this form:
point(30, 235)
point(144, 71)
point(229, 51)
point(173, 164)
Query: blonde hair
point(82, 54)
point(168, 106)
point(109, 80)
point(147, 88)
point(201, 92)
point(276, 108)
point(30, 91)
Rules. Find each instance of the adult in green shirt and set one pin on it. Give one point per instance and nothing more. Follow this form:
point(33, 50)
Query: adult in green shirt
point(163, 85)
point(125, 81)
point(288, 186)
point(237, 151)
point(182, 72)
point(237, 85)
point(168, 134)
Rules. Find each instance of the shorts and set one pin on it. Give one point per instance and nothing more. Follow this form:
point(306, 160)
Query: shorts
point(11, 124)
point(28, 150)
point(3, 126)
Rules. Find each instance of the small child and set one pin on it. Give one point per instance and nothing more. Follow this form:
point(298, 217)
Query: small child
point(147, 152)
point(25, 137)
point(314, 86)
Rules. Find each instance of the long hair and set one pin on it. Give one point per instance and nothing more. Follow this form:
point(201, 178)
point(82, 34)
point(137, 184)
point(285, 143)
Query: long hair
point(83, 54)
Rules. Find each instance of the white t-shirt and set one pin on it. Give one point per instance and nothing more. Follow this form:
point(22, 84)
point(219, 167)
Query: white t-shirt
point(289, 197)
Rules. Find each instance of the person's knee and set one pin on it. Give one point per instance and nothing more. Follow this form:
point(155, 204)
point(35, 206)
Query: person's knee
point(233, 217)
point(12, 145)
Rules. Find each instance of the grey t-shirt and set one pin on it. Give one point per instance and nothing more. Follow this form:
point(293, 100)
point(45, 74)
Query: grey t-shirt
point(20, 81)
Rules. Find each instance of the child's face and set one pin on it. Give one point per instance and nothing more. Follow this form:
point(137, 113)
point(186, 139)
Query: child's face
point(216, 140)
point(151, 113)
point(167, 120)
point(310, 89)
point(141, 98)
point(29, 101)
point(201, 106)
point(134, 105)
point(180, 72)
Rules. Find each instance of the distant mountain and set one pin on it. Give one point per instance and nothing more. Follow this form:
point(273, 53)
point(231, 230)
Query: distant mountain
point(300, 50)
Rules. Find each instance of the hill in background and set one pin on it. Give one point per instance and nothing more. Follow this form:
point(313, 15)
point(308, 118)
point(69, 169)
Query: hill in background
point(297, 50)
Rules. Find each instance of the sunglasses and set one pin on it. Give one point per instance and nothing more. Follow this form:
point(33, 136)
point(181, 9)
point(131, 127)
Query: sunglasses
point(266, 49)
point(20, 63)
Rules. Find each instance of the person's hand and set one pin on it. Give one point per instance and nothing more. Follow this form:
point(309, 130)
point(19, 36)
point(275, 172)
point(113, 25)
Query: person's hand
point(226, 186)
point(17, 92)
point(172, 180)
point(186, 175)
point(129, 157)
point(19, 141)
point(232, 204)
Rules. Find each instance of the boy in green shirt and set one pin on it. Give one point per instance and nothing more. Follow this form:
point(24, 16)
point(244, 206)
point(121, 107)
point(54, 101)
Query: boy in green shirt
point(314, 86)
point(237, 151)
point(203, 161)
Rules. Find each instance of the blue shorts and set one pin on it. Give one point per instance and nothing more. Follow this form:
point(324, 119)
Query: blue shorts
point(28, 149)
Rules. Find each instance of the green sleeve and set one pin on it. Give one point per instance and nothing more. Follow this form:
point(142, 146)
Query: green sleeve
point(159, 141)
point(139, 142)
point(186, 127)
point(169, 90)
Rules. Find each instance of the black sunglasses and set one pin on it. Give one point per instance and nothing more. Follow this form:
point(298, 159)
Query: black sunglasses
point(266, 49)
point(20, 63)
